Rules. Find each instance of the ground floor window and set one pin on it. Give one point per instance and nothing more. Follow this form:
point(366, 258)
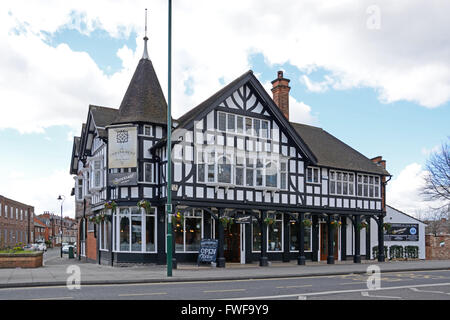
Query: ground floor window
point(275, 234)
point(135, 230)
point(294, 243)
point(256, 234)
point(188, 231)
point(105, 235)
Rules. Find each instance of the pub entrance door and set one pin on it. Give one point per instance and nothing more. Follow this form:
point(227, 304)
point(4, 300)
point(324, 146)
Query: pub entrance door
point(232, 246)
point(324, 242)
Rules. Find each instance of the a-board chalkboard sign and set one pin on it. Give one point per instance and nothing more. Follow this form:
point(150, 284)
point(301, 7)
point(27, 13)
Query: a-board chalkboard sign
point(207, 251)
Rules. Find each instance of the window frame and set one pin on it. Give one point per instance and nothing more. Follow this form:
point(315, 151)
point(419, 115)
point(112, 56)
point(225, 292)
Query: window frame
point(313, 169)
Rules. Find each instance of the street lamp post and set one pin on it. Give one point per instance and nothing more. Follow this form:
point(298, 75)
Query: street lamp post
point(61, 198)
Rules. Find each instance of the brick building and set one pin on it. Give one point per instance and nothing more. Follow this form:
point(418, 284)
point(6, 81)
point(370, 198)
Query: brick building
point(15, 222)
point(40, 231)
point(53, 224)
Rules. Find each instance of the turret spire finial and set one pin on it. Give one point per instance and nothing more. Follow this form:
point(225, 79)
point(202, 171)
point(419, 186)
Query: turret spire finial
point(145, 56)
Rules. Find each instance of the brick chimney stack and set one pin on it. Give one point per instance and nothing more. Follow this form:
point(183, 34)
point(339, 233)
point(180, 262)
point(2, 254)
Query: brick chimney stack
point(280, 90)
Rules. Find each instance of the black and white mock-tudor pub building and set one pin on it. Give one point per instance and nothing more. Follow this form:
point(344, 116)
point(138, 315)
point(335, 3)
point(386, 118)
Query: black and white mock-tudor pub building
point(268, 189)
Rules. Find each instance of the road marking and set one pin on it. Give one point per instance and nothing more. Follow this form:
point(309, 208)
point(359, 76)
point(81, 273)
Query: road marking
point(141, 294)
point(366, 294)
point(417, 290)
point(335, 292)
point(229, 290)
point(288, 287)
point(345, 283)
point(57, 298)
point(301, 297)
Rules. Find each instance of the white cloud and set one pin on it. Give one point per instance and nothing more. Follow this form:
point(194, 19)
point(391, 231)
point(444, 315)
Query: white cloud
point(406, 59)
point(404, 191)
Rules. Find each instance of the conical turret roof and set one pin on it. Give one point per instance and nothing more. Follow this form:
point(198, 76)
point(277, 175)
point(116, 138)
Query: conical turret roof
point(144, 100)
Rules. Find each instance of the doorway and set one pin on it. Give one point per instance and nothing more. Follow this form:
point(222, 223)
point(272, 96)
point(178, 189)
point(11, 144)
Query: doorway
point(324, 242)
point(232, 243)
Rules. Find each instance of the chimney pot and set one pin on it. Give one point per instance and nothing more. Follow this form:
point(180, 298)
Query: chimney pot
point(280, 91)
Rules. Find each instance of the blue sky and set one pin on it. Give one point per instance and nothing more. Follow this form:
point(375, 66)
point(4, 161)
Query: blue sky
point(384, 111)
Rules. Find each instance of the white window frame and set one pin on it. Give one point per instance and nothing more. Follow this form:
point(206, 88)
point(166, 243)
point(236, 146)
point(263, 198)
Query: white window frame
point(151, 170)
point(335, 180)
point(143, 214)
point(79, 188)
point(282, 234)
point(368, 184)
point(313, 169)
point(97, 171)
point(150, 129)
point(253, 120)
point(189, 215)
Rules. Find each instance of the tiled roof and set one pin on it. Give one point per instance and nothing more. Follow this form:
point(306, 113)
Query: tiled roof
point(144, 100)
point(332, 152)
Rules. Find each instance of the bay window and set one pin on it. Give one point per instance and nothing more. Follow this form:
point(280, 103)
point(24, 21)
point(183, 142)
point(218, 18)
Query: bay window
point(135, 230)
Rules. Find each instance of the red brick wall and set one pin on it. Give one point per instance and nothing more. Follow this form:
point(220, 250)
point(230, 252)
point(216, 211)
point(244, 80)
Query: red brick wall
point(21, 261)
point(433, 250)
point(21, 228)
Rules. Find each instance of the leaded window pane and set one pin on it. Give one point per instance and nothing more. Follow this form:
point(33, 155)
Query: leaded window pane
point(222, 121)
point(231, 124)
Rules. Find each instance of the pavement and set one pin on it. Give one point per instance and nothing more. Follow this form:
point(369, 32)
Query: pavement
point(58, 271)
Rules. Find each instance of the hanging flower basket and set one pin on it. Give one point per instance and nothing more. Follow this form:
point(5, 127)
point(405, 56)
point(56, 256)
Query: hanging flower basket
point(387, 226)
point(145, 204)
point(335, 223)
point(269, 221)
point(362, 225)
point(226, 221)
point(307, 223)
point(111, 205)
point(177, 216)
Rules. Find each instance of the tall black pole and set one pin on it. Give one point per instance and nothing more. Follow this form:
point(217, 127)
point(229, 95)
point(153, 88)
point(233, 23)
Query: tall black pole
point(169, 151)
point(221, 258)
point(263, 257)
point(357, 255)
point(330, 257)
point(381, 256)
point(301, 240)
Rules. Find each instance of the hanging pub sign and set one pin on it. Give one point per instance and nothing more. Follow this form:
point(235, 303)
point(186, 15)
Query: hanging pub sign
point(122, 147)
point(208, 250)
point(122, 179)
point(243, 219)
point(402, 232)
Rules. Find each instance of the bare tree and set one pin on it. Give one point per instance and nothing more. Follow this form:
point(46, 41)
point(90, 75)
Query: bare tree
point(437, 181)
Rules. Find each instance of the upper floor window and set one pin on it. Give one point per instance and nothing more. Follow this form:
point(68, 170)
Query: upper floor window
point(312, 175)
point(224, 170)
point(368, 186)
point(147, 130)
point(228, 122)
point(97, 174)
point(148, 172)
point(342, 183)
point(79, 188)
